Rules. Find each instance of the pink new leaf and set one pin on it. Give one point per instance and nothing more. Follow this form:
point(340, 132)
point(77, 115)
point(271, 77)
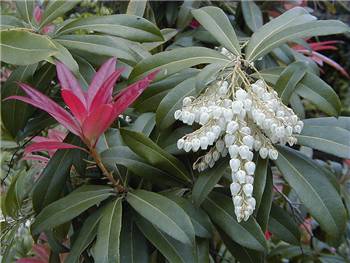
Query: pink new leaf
point(104, 94)
point(38, 14)
point(75, 105)
point(101, 75)
point(97, 122)
point(49, 146)
point(69, 82)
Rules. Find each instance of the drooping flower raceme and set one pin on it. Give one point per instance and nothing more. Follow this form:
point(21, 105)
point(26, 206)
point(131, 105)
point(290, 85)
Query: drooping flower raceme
point(237, 116)
point(91, 111)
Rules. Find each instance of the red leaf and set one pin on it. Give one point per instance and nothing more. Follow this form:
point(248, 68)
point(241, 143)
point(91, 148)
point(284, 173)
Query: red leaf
point(75, 105)
point(125, 98)
point(33, 157)
point(97, 122)
point(104, 94)
point(46, 104)
point(101, 75)
point(49, 146)
point(69, 82)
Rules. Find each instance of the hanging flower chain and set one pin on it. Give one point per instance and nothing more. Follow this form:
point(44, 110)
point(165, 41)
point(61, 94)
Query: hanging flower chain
point(237, 116)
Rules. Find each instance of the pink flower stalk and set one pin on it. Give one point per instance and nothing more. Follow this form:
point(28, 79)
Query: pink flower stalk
point(91, 111)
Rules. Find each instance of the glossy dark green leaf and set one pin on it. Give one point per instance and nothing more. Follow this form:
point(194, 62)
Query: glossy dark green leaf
point(217, 23)
point(25, 9)
point(293, 24)
point(10, 203)
point(52, 180)
point(173, 101)
point(252, 15)
point(70, 206)
point(136, 7)
point(221, 211)
point(202, 250)
point(206, 182)
point(314, 189)
point(289, 79)
point(200, 220)
point(122, 155)
point(173, 250)
point(184, 16)
point(330, 139)
point(20, 47)
point(342, 122)
point(56, 8)
point(319, 93)
point(66, 58)
point(108, 233)
point(241, 253)
point(283, 226)
point(86, 235)
point(126, 26)
point(260, 179)
point(153, 154)
point(100, 45)
point(167, 33)
point(133, 245)
point(207, 75)
point(175, 60)
point(144, 123)
point(10, 22)
point(14, 113)
point(263, 210)
point(163, 213)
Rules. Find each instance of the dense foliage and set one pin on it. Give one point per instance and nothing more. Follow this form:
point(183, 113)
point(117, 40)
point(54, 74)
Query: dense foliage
point(91, 168)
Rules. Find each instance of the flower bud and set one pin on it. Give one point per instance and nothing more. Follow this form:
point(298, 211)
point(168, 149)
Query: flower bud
point(235, 187)
point(204, 142)
point(273, 154)
point(249, 167)
point(186, 101)
point(229, 139)
point(187, 146)
point(252, 202)
point(249, 141)
point(220, 145)
point(235, 164)
point(204, 118)
point(177, 114)
point(196, 144)
point(216, 155)
point(243, 151)
point(233, 150)
point(216, 130)
point(180, 143)
point(248, 189)
point(263, 152)
point(241, 94)
point(211, 137)
point(232, 127)
point(217, 112)
point(237, 200)
point(228, 114)
point(237, 106)
point(249, 179)
point(240, 175)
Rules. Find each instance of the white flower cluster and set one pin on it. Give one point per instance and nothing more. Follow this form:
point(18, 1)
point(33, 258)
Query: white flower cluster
point(237, 121)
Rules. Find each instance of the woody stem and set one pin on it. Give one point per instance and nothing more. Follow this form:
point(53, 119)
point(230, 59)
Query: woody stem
point(104, 170)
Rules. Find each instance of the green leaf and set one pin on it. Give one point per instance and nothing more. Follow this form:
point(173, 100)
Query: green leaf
point(173, 250)
point(167, 33)
point(293, 24)
point(282, 225)
point(144, 123)
point(289, 79)
point(70, 206)
point(216, 22)
point(173, 101)
point(10, 22)
point(56, 8)
point(155, 155)
point(85, 236)
point(341, 122)
point(175, 60)
point(263, 211)
point(242, 254)
point(207, 75)
point(21, 47)
point(136, 7)
point(122, 155)
point(220, 210)
point(25, 8)
point(330, 139)
point(10, 204)
point(100, 45)
point(108, 233)
point(14, 113)
point(252, 15)
point(52, 180)
point(206, 182)
point(260, 179)
point(314, 189)
point(66, 58)
point(184, 17)
point(320, 93)
point(163, 213)
point(126, 26)
point(200, 220)
point(133, 245)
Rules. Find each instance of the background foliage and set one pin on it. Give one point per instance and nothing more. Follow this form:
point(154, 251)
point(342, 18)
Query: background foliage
point(66, 212)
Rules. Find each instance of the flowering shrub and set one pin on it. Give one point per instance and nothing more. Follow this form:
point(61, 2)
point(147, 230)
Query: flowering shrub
point(124, 142)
